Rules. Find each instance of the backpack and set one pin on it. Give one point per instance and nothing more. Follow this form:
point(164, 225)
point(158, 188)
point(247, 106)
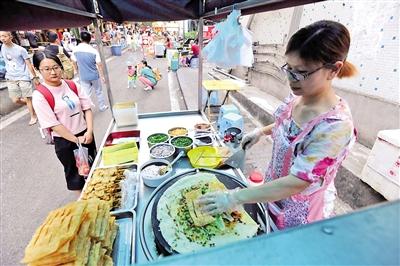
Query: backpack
point(66, 63)
point(46, 132)
point(157, 74)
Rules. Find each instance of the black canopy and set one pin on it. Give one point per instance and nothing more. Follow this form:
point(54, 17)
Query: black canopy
point(45, 14)
point(40, 14)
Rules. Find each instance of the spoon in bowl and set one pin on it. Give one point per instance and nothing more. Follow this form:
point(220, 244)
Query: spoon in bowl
point(166, 168)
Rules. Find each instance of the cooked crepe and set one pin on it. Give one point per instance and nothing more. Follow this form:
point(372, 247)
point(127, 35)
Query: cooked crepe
point(198, 217)
point(186, 234)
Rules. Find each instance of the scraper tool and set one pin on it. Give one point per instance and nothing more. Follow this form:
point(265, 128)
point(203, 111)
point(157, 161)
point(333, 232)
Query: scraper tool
point(237, 158)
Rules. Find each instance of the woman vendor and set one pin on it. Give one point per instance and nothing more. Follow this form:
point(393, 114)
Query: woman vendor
point(312, 133)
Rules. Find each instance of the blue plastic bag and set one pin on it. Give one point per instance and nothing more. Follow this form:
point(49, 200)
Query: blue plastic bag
point(231, 46)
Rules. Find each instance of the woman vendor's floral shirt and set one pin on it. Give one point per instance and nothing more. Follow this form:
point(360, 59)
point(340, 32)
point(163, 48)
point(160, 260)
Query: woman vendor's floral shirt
point(315, 158)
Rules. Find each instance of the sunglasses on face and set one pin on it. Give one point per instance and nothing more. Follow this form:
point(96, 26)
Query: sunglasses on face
point(300, 76)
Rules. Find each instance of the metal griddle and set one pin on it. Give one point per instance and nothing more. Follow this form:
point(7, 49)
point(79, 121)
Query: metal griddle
point(256, 211)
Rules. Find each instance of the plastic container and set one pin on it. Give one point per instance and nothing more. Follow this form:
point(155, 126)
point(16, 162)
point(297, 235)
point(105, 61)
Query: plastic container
point(177, 131)
point(202, 127)
point(154, 181)
point(116, 50)
point(126, 114)
point(204, 157)
point(255, 179)
point(159, 49)
point(185, 149)
point(152, 143)
point(174, 64)
point(226, 109)
point(204, 140)
point(230, 120)
point(194, 63)
point(115, 136)
point(170, 54)
point(169, 156)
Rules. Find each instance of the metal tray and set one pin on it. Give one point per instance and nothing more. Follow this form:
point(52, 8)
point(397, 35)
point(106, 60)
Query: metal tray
point(152, 242)
point(123, 134)
point(124, 245)
point(130, 166)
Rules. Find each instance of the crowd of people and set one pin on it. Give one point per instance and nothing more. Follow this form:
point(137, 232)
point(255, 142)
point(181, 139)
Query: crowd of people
point(47, 87)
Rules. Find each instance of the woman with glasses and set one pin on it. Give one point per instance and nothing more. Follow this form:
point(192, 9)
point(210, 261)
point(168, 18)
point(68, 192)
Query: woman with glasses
point(68, 115)
point(312, 133)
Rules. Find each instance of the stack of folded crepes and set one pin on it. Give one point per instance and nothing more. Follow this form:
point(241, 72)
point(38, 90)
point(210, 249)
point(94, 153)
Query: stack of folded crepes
point(80, 233)
point(105, 184)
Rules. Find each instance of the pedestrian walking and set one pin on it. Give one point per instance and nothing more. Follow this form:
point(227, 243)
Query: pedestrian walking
point(32, 38)
point(20, 73)
point(135, 41)
point(87, 60)
point(66, 41)
point(313, 132)
point(129, 41)
point(70, 118)
point(55, 48)
point(54, 45)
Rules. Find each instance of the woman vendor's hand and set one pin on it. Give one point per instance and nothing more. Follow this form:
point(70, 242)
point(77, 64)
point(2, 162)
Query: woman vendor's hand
point(218, 202)
point(88, 137)
point(251, 138)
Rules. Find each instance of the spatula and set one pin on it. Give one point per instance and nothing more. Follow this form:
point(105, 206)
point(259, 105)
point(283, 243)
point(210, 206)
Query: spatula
point(236, 160)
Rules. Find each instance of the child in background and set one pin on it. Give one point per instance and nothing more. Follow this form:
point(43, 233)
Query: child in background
point(132, 76)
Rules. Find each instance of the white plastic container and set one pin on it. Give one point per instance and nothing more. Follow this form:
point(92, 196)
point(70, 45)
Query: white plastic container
point(155, 181)
point(382, 170)
point(126, 114)
point(230, 120)
point(159, 49)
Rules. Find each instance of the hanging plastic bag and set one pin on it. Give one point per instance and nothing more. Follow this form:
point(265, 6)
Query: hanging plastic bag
point(246, 51)
point(226, 39)
point(231, 46)
point(82, 160)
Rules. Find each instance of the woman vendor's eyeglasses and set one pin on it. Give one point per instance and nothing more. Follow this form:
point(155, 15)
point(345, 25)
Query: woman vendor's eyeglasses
point(49, 69)
point(300, 76)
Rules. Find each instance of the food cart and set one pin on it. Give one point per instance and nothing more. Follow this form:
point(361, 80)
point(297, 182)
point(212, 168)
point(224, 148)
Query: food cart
point(137, 241)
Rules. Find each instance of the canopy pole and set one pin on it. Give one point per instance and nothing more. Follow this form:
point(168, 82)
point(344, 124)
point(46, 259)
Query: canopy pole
point(200, 72)
point(99, 43)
